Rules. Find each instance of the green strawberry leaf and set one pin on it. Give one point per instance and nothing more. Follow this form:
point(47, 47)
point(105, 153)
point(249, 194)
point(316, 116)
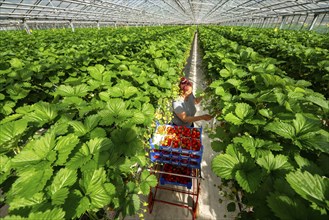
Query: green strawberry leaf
point(305, 125)
point(161, 64)
point(132, 205)
point(63, 178)
point(224, 166)
point(230, 117)
point(64, 146)
point(30, 181)
point(20, 202)
point(10, 133)
point(313, 188)
point(79, 128)
point(314, 141)
point(56, 213)
point(243, 110)
point(281, 128)
point(147, 181)
point(248, 180)
point(285, 207)
point(43, 113)
point(91, 122)
point(96, 71)
point(16, 63)
point(271, 162)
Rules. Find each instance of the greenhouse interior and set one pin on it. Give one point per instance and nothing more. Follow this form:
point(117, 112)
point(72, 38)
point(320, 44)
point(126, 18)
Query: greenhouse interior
point(164, 109)
point(42, 14)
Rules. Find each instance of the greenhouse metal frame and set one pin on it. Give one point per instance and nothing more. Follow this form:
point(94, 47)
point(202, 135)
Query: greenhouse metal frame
point(41, 14)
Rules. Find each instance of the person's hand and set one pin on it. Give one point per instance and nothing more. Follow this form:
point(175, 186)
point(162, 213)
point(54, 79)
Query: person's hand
point(206, 117)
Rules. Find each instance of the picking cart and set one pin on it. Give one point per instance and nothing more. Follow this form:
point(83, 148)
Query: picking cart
point(176, 154)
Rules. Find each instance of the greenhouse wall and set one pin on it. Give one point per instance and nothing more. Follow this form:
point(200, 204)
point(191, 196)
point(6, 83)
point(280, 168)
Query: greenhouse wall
point(291, 22)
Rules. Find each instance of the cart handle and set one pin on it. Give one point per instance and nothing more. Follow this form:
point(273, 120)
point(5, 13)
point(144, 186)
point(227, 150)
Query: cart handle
point(176, 174)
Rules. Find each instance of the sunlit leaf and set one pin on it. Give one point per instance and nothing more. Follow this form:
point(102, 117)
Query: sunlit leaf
point(313, 188)
point(281, 128)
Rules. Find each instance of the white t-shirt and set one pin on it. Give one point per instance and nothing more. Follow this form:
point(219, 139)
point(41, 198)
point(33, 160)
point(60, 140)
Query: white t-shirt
point(181, 105)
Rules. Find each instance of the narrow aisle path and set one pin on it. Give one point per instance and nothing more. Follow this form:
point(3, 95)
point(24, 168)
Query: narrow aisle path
point(210, 207)
point(211, 204)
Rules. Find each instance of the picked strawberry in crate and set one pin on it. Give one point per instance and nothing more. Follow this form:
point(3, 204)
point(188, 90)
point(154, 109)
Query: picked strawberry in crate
point(171, 130)
point(194, 156)
point(177, 170)
point(186, 132)
point(196, 144)
point(166, 141)
point(176, 142)
point(178, 130)
point(195, 133)
point(186, 143)
point(184, 161)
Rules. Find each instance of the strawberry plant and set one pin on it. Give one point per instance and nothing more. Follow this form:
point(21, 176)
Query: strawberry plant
point(307, 62)
point(272, 141)
point(76, 113)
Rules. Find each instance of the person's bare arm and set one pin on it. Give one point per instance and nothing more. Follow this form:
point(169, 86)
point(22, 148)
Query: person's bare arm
point(186, 118)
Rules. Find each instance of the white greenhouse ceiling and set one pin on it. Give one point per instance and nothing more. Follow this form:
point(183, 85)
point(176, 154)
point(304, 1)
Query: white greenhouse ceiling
point(155, 11)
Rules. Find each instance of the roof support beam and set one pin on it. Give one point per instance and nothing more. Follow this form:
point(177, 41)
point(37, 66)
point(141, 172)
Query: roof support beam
point(283, 21)
point(26, 27)
point(314, 21)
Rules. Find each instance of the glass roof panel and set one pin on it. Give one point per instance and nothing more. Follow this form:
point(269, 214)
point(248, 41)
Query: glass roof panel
point(158, 11)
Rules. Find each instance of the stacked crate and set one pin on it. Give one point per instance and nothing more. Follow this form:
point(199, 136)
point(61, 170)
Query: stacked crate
point(180, 149)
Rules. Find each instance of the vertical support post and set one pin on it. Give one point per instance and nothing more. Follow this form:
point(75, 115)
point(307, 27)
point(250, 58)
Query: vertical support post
point(282, 22)
point(115, 24)
point(297, 23)
point(98, 25)
point(322, 19)
point(72, 26)
point(304, 22)
point(252, 22)
point(274, 22)
point(263, 24)
point(314, 21)
point(270, 22)
point(26, 27)
point(293, 17)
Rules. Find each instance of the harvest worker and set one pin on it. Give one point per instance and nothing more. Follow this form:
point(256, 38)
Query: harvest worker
point(184, 106)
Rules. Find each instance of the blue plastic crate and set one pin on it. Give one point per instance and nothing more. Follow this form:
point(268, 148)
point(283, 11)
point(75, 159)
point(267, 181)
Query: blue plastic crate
point(171, 171)
point(195, 163)
point(188, 185)
point(156, 156)
point(189, 151)
point(173, 153)
point(199, 153)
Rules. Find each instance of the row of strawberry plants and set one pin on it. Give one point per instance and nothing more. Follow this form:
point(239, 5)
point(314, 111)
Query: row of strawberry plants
point(306, 38)
point(18, 91)
point(77, 152)
point(273, 143)
point(298, 61)
point(28, 75)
